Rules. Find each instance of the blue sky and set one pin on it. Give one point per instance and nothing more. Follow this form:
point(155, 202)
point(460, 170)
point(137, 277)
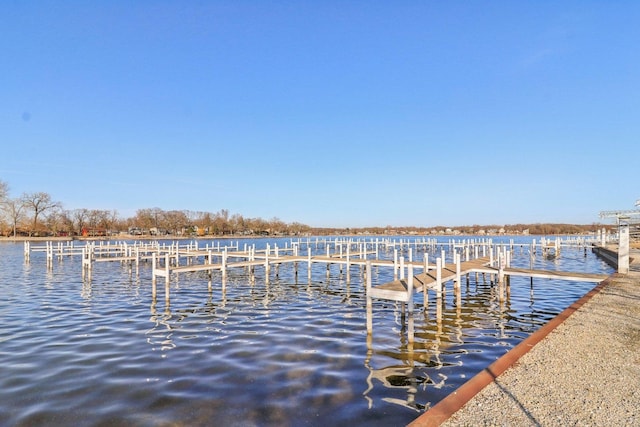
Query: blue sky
point(332, 113)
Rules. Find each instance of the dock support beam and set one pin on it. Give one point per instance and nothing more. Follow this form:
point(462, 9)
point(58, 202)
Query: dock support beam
point(438, 289)
point(411, 332)
point(623, 249)
point(369, 302)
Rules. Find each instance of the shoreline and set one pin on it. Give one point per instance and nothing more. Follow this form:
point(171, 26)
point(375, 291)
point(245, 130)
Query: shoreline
point(239, 237)
point(581, 370)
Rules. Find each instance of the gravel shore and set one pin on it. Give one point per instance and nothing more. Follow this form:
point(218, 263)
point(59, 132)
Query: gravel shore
point(586, 372)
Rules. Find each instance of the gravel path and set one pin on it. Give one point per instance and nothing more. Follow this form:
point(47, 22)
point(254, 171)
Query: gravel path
point(584, 373)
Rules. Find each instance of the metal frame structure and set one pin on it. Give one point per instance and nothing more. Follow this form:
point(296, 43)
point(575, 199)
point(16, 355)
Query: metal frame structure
point(628, 222)
point(627, 216)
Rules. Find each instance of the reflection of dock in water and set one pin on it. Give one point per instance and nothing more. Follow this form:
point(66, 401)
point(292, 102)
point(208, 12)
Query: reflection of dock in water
point(407, 375)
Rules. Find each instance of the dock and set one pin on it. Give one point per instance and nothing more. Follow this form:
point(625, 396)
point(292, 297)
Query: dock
point(419, 266)
point(496, 265)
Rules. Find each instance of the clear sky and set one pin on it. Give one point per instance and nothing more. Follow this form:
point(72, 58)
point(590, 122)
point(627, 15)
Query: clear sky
point(329, 113)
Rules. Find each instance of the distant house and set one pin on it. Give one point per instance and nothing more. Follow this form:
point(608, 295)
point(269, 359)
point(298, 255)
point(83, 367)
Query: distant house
point(135, 231)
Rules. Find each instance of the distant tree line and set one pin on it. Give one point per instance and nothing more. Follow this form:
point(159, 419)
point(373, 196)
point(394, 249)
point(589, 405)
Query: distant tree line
point(490, 230)
point(37, 214)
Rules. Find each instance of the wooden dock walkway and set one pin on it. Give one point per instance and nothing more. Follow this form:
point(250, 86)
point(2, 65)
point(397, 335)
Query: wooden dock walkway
point(545, 274)
point(403, 290)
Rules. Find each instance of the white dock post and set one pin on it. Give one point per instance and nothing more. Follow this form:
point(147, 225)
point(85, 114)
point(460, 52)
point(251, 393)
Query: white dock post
point(84, 267)
point(137, 260)
point(224, 263)
point(457, 260)
point(491, 257)
point(395, 264)
point(252, 251)
point(266, 265)
point(348, 264)
point(425, 293)
point(410, 303)
point(88, 259)
point(623, 249)
point(439, 278)
point(501, 264)
point(309, 261)
point(401, 268)
point(166, 268)
point(438, 290)
point(166, 278)
point(369, 302)
point(153, 276)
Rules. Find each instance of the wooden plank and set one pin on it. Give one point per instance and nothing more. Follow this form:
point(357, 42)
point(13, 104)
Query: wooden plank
point(427, 280)
point(545, 274)
point(550, 274)
point(394, 291)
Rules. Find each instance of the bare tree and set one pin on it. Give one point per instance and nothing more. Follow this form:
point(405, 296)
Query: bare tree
point(276, 226)
point(146, 219)
point(176, 221)
point(221, 222)
point(80, 218)
point(4, 191)
point(67, 221)
point(111, 220)
point(238, 224)
point(54, 221)
point(14, 209)
point(39, 203)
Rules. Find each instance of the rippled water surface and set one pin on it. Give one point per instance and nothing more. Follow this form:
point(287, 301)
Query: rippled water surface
point(80, 352)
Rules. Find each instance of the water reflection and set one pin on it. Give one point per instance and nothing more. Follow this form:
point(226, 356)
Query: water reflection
point(411, 367)
point(160, 335)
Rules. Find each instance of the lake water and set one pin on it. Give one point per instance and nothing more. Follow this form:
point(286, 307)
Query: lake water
point(287, 353)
